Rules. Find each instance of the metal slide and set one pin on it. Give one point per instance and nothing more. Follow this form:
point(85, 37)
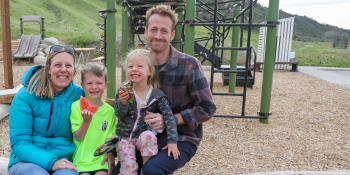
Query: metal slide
point(28, 46)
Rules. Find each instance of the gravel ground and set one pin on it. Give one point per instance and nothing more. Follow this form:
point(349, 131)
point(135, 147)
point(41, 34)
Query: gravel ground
point(308, 129)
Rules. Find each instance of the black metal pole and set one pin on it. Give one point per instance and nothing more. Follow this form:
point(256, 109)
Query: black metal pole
point(214, 43)
point(242, 21)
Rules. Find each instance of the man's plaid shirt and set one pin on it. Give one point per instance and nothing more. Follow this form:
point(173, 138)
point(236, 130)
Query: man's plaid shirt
point(183, 81)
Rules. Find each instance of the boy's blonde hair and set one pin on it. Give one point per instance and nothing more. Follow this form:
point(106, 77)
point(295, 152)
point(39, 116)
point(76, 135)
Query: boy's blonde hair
point(162, 10)
point(41, 82)
point(153, 79)
point(96, 69)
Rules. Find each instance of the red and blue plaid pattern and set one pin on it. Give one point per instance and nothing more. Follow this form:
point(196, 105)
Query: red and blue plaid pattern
point(183, 81)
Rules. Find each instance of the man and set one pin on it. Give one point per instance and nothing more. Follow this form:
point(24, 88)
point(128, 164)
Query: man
point(182, 79)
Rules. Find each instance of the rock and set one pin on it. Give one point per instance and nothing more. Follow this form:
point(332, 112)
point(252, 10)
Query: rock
point(43, 46)
point(40, 49)
point(40, 60)
point(47, 50)
point(40, 53)
point(3, 165)
point(50, 41)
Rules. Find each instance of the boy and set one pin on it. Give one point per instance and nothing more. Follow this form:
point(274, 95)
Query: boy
point(91, 130)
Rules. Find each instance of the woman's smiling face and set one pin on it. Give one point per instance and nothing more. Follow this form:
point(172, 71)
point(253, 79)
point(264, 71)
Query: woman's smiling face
point(61, 71)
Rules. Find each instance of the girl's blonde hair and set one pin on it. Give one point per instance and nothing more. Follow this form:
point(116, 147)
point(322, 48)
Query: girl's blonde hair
point(153, 79)
point(41, 83)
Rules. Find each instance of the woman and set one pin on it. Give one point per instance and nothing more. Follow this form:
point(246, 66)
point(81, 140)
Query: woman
point(40, 131)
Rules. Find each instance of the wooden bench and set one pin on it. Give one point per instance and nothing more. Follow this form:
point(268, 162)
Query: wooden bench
point(294, 66)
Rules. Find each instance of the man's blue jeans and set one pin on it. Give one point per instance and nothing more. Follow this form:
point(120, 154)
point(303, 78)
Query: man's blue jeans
point(23, 168)
point(161, 163)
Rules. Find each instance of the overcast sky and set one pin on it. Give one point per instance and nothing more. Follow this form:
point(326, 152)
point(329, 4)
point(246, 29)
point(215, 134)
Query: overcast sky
point(333, 12)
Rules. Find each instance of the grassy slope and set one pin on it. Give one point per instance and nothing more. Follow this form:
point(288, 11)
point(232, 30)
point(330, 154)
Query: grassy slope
point(74, 23)
point(68, 21)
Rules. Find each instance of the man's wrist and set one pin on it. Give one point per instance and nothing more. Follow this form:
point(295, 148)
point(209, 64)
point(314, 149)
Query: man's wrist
point(180, 120)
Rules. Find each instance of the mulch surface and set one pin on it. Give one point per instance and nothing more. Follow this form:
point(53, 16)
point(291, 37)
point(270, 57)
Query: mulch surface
point(307, 131)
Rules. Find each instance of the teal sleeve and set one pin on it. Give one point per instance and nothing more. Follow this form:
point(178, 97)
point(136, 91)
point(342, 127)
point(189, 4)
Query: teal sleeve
point(21, 129)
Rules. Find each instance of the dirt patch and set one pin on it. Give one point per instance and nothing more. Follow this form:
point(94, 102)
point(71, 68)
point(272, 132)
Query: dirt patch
point(308, 131)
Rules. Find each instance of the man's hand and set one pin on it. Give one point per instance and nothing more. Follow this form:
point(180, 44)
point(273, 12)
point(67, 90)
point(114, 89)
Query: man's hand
point(63, 164)
point(110, 158)
point(172, 148)
point(155, 120)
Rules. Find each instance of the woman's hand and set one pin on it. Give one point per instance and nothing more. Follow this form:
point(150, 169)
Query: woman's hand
point(123, 97)
point(110, 158)
point(155, 120)
point(172, 148)
point(63, 164)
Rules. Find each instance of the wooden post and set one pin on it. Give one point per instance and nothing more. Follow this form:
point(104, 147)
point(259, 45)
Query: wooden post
point(6, 43)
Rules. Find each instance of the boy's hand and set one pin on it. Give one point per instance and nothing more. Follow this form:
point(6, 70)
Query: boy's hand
point(123, 96)
point(172, 148)
point(87, 115)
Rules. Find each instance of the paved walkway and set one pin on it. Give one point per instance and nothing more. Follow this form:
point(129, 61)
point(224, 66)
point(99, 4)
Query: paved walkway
point(340, 172)
point(339, 76)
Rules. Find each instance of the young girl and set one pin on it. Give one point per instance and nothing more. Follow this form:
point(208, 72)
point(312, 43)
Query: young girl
point(131, 107)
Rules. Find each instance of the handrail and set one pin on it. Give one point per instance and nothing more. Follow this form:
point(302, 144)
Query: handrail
point(252, 47)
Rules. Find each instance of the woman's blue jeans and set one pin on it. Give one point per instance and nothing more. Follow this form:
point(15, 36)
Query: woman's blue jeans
point(23, 168)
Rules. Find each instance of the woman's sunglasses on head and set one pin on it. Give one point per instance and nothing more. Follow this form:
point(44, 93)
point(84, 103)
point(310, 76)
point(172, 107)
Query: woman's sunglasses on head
point(57, 48)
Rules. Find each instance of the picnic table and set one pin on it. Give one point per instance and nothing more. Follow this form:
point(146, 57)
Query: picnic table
point(84, 54)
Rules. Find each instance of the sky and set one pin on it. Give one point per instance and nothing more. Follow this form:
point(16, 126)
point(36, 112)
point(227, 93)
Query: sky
point(333, 12)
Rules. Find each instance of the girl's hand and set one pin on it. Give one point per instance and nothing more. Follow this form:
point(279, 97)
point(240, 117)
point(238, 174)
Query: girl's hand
point(123, 96)
point(172, 148)
point(87, 116)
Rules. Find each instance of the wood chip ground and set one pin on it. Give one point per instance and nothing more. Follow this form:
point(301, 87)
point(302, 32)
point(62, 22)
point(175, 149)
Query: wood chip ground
point(308, 129)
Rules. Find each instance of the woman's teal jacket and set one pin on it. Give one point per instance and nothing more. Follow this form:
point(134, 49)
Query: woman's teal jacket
point(40, 130)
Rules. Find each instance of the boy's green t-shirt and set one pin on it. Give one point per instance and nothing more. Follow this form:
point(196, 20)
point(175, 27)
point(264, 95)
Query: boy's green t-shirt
point(101, 127)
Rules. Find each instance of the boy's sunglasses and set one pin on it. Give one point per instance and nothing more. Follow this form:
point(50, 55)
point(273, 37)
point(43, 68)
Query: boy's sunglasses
point(57, 48)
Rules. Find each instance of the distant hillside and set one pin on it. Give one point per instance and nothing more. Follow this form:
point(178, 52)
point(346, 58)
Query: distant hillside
point(305, 28)
point(71, 21)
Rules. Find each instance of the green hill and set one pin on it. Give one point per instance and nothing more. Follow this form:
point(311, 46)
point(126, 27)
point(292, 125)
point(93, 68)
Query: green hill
point(68, 21)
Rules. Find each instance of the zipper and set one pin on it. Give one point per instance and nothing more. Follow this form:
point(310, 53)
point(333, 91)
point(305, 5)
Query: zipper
point(51, 111)
point(138, 115)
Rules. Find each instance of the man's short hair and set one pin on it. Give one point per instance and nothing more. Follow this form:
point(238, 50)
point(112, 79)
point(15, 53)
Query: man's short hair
point(162, 10)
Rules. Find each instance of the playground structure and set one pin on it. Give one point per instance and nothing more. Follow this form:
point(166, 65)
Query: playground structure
point(29, 44)
point(133, 22)
point(284, 45)
point(187, 14)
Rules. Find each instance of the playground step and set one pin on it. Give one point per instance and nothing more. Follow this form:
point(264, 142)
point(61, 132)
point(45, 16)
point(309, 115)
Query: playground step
point(239, 76)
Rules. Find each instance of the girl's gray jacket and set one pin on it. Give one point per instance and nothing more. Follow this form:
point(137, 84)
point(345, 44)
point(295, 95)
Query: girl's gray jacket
point(131, 122)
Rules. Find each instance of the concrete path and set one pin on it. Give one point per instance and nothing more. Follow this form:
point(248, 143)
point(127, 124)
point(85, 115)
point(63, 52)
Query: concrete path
point(340, 172)
point(339, 76)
